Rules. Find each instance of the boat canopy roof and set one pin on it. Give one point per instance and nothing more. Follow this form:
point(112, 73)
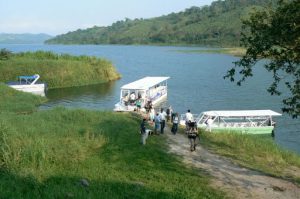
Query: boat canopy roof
point(28, 77)
point(144, 83)
point(242, 113)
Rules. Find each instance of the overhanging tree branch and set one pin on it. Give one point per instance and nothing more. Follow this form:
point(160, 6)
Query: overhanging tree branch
point(273, 34)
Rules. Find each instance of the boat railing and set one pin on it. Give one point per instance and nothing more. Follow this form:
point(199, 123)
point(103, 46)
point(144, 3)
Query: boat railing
point(242, 124)
point(158, 92)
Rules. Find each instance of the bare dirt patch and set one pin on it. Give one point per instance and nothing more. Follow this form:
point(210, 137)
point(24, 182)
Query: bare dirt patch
point(235, 180)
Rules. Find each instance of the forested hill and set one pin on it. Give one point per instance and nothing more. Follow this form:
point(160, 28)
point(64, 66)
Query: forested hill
point(216, 25)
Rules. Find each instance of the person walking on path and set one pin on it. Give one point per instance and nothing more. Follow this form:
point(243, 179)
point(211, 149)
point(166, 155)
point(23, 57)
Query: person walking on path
point(175, 124)
point(156, 123)
point(169, 113)
point(192, 135)
point(208, 123)
point(162, 116)
point(151, 115)
point(188, 119)
point(144, 135)
point(172, 116)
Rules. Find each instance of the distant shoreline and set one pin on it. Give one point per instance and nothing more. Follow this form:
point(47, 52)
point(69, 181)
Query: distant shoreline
point(239, 52)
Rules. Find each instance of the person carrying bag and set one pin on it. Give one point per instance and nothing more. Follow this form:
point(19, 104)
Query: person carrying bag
point(192, 135)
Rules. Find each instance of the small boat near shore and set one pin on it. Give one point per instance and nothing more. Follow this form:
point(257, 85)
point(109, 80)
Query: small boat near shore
point(244, 121)
point(146, 90)
point(29, 84)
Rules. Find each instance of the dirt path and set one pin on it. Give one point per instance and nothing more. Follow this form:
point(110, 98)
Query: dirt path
point(238, 182)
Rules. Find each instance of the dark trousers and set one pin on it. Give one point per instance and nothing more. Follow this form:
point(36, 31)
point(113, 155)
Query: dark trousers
point(168, 117)
point(193, 142)
point(174, 128)
point(162, 126)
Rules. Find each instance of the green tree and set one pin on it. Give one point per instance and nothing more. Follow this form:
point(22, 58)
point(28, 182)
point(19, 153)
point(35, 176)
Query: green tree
point(217, 25)
point(274, 34)
point(5, 54)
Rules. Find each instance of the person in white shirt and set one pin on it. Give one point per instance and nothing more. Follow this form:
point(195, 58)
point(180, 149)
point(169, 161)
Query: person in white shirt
point(162, 116)
point(151, 114)
point(132, 98)
point(209, 122)
point(188, 118)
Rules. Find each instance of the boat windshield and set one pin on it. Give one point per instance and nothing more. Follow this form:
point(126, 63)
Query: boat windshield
point(27, 79)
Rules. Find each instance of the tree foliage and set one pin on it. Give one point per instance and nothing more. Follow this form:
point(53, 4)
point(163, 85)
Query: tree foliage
point(5, 54)
point(274, 34)
point(216, 25)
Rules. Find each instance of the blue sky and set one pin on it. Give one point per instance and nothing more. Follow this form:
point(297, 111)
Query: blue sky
point(60, 16)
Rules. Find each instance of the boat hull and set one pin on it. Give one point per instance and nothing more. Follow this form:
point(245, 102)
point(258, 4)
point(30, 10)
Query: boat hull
point(160, 99)
point(247, 130)
point(37, 89)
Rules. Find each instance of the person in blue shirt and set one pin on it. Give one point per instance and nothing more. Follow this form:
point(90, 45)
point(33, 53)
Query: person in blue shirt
point(156, 123)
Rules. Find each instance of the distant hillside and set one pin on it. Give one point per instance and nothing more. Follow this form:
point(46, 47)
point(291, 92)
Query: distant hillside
point(217, 25)
point(27, 38)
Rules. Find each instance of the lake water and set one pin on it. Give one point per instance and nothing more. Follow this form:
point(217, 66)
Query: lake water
point(196, 83)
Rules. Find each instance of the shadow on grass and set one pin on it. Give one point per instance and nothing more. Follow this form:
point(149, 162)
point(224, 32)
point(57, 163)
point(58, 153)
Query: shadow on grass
point(12, 186)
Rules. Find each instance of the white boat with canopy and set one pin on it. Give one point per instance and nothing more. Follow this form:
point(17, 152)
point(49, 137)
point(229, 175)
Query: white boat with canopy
point(245, 121)
point(146, 90)
point(29, 84)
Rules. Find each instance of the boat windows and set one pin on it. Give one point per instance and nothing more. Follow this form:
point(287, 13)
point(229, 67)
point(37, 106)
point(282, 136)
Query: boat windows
point(241, 121)
point(27, 79)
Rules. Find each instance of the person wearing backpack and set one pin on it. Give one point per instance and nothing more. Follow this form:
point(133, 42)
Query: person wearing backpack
point(192, 135)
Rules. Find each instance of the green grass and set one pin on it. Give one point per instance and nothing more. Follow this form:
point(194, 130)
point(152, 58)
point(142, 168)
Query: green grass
point(45, 154)
point(12, 100)
point(256, 152)
point(58, 70)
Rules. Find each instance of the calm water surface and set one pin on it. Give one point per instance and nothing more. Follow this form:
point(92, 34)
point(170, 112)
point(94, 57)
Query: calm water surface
point(196, 83)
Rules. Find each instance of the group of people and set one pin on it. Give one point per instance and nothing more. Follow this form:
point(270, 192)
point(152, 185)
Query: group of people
point(160, 118)
point(133, 100)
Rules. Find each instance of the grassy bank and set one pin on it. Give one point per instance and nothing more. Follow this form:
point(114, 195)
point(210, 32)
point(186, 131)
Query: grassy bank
point(239, 52)
point(46, 154)
point(14, 101)
point(256, 152)
point(58, 70)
